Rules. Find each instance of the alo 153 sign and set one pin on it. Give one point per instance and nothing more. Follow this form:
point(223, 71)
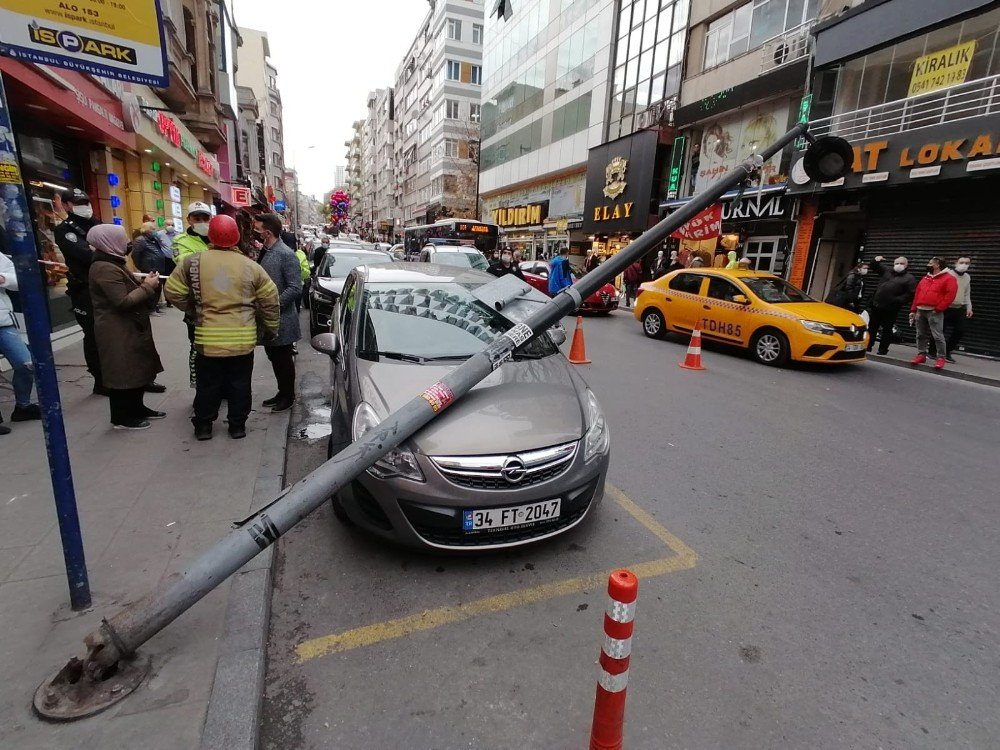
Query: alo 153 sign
point(120, 39)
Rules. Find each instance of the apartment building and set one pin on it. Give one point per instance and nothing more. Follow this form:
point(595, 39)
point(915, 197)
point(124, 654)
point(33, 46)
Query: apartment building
point(378, 159)
point(547, 71)
point(354, 174)
point(258, 73)
point(437, 113)
point(743, 86)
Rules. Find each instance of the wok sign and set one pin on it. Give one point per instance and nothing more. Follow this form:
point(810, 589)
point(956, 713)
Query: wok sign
point(121, 39)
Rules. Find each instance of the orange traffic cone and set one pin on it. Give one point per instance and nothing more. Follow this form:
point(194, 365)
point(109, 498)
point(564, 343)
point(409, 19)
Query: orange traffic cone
point(578, 350)
point(693, 359)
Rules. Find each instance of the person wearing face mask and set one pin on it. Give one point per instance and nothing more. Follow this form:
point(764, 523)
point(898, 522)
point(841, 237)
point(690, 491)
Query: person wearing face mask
point(195, 240)
point(71, 237)
point(961, 309)
point(896, 285)
point(935, 293)
point(854, 287)
point(505, 265)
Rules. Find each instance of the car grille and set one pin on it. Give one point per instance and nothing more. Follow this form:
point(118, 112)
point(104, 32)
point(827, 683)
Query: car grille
point(443, 526)
point(506, 471)
point(845, 356)
point(858, 334)
point(605, 297)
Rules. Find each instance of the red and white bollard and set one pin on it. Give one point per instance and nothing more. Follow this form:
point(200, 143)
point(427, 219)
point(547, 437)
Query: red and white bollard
point(609, 706)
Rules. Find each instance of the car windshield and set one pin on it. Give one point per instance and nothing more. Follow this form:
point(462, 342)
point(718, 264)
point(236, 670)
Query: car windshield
point(432, 321)
point(775, 290)
point(460, 259)
point(338, 263)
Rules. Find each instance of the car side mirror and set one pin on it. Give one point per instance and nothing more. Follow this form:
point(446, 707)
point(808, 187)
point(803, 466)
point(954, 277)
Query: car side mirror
point(558, 336)
point(741, 299)
point(326, 343)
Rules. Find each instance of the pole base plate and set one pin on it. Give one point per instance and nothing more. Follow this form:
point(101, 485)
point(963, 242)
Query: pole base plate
point(73, 693)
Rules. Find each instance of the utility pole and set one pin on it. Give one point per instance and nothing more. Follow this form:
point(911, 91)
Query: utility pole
point(20, 235)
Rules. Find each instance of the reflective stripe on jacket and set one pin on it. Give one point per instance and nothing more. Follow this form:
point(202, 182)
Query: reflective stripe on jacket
point(231, 299)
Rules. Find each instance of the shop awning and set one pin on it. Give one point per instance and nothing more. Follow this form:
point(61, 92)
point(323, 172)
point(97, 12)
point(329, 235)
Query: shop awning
point(749, 192)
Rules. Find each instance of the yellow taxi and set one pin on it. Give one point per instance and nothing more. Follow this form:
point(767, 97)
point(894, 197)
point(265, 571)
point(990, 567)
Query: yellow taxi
point(772, 319)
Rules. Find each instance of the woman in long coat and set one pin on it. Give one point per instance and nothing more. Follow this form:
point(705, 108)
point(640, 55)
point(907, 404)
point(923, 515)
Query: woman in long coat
point(121, 324)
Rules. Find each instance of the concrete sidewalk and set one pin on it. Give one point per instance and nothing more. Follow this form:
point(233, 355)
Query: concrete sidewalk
point(149, 501)
point(975, 369)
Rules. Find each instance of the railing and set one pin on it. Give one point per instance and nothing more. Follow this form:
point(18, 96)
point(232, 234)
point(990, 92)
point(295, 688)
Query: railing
point(961, 102)
point(785, 48)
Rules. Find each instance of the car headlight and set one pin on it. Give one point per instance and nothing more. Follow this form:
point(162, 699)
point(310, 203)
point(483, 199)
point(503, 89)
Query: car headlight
point(597, 437)
point(399, 462)
point(816, 327)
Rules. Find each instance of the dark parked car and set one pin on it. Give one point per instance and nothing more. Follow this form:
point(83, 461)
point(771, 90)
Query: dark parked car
point(329, 281)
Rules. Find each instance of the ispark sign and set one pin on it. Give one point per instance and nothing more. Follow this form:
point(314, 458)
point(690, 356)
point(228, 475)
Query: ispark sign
point(121, 39)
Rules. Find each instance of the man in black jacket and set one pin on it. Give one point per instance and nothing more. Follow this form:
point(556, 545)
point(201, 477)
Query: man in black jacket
point(71, 237)
point(505, 265)
point(894, 290)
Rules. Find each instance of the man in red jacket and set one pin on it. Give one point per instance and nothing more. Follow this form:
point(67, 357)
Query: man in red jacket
point(935, 292)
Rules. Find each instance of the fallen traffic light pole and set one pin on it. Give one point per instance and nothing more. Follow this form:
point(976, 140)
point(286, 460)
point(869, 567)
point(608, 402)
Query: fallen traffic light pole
point(111, 669)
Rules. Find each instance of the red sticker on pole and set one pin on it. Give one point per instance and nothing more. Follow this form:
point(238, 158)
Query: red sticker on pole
point(704, 226)
point(439, 396)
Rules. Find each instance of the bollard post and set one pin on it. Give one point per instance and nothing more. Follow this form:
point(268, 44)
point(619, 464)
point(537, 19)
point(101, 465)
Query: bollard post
point(609, 704)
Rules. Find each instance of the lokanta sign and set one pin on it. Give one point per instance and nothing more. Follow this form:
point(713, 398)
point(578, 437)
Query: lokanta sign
point(121, 39)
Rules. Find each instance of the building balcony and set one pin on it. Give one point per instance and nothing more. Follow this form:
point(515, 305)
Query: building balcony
point(786, 48)
point(963, 101)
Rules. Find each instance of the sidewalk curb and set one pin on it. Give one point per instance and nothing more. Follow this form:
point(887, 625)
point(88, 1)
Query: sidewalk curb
point(945, 373)
point(236, 702)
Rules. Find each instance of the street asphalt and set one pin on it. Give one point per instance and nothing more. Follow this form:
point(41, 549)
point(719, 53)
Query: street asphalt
point(820, 550)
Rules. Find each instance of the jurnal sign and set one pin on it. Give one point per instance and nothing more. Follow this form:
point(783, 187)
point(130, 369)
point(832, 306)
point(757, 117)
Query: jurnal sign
point(121, 39)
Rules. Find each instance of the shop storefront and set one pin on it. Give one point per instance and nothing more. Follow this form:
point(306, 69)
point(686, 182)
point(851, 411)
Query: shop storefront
point(757, 224)
point(65, 123)
point(171, 168)
point(922, 193)
point(621, 191)
point(540, 219)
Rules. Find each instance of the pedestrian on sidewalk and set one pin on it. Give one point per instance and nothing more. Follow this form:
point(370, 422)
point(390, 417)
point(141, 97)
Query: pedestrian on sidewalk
point(129, 359)
point(71, 237)
point(960, 310)
point(148, 256)
point(280, 263)
point(13, 349)
point(935, 293)
point(560, 275)
point(234, 305)
point(895, 287)
point(192, 242)
point(632, 277)
point(505, 265)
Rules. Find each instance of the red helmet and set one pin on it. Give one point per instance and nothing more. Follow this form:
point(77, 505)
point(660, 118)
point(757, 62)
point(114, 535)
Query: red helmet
point(223, 231)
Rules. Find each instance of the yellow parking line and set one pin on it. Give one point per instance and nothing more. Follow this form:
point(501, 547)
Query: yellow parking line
point(683, 558)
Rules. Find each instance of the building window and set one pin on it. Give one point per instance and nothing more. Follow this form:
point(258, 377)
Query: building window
point(475, 111)
point(477, 75)
point(728, 36)
point(451, 109)
point(272, 82)
point(750, 25)
point(477, 33)
point(454, 29)
point(451, 148)
point(275, 135)
point(276, 158)
point(453, 70)
point(275, 110)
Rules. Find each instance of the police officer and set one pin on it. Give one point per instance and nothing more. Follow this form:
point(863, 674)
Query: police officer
point(71, 237)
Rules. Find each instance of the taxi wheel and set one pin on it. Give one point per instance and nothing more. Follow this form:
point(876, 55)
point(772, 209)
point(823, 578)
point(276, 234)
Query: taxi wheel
point(770, 347)
point(653, 324)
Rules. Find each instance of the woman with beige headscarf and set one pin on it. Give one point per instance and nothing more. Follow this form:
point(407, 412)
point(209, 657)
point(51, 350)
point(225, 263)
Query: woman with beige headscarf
point(125, 345)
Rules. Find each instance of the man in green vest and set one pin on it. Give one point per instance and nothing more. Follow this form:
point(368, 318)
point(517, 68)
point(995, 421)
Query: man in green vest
point(193, 241)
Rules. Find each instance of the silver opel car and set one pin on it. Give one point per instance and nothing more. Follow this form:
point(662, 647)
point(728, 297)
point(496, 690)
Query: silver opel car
point(520, 458)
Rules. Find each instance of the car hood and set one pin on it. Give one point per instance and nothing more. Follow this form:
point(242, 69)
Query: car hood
point(822, 312)
point(523, 405)
point(332, 284)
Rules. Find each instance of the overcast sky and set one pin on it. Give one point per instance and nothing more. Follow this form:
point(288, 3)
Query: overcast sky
point(329, 55)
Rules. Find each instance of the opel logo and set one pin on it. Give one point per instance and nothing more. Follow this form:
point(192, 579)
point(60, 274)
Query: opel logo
point(513, 470)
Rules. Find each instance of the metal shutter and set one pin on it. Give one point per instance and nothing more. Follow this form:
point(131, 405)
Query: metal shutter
point(947, 219)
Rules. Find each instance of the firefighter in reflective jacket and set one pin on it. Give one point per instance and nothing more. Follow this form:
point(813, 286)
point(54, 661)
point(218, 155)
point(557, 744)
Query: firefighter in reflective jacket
point(233, 304)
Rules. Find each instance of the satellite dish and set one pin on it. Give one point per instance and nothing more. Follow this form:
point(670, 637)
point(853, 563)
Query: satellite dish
point(828, 159)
